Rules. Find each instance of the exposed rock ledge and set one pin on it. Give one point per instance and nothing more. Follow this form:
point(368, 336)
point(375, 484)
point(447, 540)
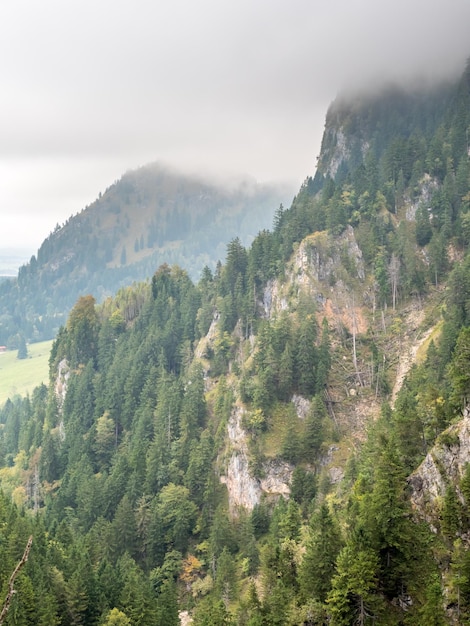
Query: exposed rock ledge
point(61, 381)
point(244, 490)
point(320, 261)
point(444, 464)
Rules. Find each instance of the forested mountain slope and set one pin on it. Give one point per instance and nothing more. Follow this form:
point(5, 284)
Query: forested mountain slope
point(232, 448)
point(149, 216)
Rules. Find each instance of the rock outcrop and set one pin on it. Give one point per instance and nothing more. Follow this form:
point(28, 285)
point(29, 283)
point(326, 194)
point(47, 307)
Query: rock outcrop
point(329, 269)
point(60, 387)
point(444, 465)
point(244, 490)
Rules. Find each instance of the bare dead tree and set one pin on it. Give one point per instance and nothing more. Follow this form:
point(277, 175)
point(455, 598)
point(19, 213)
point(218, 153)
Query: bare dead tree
point(11, 582)
point(394, 275)
point(354, 330)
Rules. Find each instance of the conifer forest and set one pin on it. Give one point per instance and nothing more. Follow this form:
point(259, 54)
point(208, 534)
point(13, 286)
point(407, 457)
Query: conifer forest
point(284, 440)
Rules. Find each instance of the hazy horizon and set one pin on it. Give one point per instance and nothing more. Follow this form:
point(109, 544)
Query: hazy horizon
point(229, 89)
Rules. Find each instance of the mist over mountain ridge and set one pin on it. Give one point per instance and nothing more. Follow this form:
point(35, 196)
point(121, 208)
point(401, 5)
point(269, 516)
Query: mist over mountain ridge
point(243, 449)
point(151, 215)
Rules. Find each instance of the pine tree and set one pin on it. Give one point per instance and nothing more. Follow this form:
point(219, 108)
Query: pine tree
point(22, 349)
point(285, 374)
point(226, 577)
point(314, 429)
point(167, 604)
point(124, 526)
point(319, 562)
point(212, 612)
point(465, 487)
point(353, 598)
point(451, 513)
point(459, 369)
point(323, 357)
point(432, 612)
point(82, 331)
point(385, 522)
point(423, 226)
point(306, 356)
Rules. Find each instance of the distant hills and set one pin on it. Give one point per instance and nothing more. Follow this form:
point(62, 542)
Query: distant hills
point(286, 441)
point(150, 216)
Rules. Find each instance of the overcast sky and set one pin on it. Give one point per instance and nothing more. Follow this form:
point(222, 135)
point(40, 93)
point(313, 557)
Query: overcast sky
point(92, 88)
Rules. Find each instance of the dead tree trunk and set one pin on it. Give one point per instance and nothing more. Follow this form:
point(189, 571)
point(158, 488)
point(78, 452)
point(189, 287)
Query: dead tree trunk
point(11, 582)
point(394, 274)
point(354, 355)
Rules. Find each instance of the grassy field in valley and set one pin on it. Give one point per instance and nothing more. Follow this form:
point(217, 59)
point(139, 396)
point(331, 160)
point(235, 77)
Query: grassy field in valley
point(21, 376)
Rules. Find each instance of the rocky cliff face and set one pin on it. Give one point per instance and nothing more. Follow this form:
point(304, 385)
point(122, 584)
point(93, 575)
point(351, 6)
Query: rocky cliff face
point(339, 145)
point(244, 490)
point(60, 389)
point(444, 465)
point(330, 269)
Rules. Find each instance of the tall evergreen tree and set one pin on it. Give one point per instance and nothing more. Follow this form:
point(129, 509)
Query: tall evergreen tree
point(319, 562)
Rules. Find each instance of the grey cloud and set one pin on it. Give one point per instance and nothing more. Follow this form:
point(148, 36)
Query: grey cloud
point(214, 85)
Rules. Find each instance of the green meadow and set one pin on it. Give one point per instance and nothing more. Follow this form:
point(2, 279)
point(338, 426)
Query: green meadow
point(21, 376)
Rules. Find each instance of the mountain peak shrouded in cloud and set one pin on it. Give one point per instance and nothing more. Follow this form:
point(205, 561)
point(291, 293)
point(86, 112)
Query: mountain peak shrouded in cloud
point(92, 90)
point(150, 216)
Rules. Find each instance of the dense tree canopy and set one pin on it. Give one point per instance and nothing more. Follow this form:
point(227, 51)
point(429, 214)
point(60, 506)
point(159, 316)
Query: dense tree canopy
point(115, 468)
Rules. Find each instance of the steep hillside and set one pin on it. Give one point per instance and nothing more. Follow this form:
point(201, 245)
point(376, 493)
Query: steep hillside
point(244, 449)
point(150, 216)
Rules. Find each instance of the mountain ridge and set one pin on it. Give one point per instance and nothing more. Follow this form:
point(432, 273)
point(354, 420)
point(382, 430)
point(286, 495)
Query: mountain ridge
point(274, 375)
point(149, 216)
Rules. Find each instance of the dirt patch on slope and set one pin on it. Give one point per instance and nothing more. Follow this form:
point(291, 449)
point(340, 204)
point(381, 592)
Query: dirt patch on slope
point(412, 340)
point(347, 316)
